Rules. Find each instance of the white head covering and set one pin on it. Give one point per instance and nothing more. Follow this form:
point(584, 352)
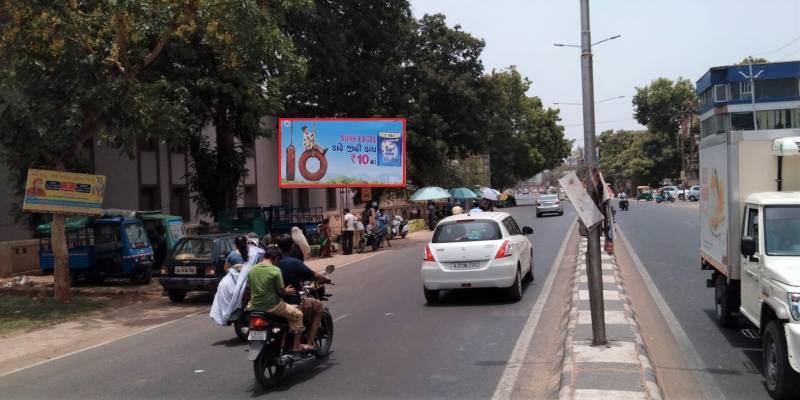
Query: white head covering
point(300, 240)
point(231, 288)
point(457, 210)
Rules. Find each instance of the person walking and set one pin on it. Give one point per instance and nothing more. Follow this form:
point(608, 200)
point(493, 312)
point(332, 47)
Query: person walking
point(349, 231)
point(325, 241)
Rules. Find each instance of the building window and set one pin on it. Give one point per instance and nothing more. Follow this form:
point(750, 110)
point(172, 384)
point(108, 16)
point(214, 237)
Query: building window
point(250, 195)
point(745, 90)
point(303, 202)
point(713, 125)
point(778, 119)
point(742, 121)
point(330, 197)
point(148, 198)
point(720, 93)
point(179, 202)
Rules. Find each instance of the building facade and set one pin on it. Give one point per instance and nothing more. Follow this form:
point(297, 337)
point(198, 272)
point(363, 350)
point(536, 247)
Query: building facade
point(728, 97)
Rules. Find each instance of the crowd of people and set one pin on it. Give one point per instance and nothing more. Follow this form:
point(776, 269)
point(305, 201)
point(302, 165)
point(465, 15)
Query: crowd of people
point(454, 207)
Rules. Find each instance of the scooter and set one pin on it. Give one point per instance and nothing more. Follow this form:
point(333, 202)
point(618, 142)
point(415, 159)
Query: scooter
point(270, 341)
point(399, 227)
point(623, 204)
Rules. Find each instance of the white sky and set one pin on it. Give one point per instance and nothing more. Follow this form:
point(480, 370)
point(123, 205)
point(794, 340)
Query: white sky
point(669, 38)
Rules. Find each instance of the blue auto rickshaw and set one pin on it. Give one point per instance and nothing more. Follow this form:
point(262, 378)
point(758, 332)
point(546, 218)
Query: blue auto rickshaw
point(108, 246)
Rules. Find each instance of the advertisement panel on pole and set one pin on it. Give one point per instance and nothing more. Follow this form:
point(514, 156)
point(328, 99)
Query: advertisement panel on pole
point(342, 152)
point(63, 192)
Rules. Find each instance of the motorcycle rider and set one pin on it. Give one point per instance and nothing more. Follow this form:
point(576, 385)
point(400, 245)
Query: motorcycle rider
point(294, 272)
point(383, 222)
point(266, 288)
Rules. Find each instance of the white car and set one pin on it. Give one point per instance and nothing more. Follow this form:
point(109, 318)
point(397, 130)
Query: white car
point(693, 194)
point(477, 250)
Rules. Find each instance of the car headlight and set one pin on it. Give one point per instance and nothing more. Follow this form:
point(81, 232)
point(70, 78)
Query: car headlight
point(794, 305)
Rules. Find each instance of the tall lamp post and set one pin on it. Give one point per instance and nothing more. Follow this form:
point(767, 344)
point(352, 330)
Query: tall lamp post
point(593, 267)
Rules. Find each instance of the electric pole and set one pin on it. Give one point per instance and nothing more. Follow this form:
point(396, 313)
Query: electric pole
point(594, 270)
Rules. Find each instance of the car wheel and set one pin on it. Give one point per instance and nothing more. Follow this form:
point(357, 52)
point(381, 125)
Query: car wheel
point(141, 277)
point(176, 296)
point(692, 198)
point(431, 296)
point(561, 212)
point(538, 215)
point(782, 380)
point(515, 291)
point(529, 275)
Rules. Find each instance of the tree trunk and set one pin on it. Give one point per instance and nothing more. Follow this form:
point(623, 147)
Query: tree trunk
point(58, 242)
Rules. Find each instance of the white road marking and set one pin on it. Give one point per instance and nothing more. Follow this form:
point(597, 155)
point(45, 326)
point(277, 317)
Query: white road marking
point(103, 343)
point(343, 316)
point(510, 374)
point(704, 378)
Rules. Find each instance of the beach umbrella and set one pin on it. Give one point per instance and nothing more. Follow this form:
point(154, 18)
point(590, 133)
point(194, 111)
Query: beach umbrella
point(489, 194)
point(430, 193)
point(463, 193)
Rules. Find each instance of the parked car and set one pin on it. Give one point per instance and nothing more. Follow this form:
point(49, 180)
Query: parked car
point(672, 190)
point(483, 250)
point(195, 264)
point(693, 194)
point(548, 204)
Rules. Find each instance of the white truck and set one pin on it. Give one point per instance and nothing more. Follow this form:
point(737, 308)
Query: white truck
point(750, 241)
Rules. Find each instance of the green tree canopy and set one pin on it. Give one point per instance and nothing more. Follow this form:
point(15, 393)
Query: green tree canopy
point(661, 104)
point(523, 137)
point(757, 60)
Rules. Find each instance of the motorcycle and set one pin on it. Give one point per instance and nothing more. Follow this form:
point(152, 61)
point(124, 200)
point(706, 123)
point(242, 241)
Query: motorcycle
point(623, 204)
point(399, 227)
point(373, 236)
point(270, 341)
point(665, 198)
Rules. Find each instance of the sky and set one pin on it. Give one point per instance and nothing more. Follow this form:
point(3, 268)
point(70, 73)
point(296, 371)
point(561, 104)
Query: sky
point(672, 38)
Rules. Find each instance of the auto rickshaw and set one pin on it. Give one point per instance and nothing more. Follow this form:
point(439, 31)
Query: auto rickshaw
point(107, 246)
point(644, 193)
point(162, 229)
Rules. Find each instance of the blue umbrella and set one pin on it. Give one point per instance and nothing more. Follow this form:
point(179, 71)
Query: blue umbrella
point(463, 193)
point(430, 193)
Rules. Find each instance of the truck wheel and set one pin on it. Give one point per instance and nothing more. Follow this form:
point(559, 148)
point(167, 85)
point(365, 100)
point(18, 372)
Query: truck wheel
point(782, 380)
point(725, 303)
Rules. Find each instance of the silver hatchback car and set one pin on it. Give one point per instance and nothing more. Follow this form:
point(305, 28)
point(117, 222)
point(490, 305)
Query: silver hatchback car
point(548, 203)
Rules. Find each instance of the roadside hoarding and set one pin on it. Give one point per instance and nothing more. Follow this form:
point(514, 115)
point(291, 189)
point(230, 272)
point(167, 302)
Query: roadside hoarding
point(342, 152)
point(63, 192)
point(587, 210)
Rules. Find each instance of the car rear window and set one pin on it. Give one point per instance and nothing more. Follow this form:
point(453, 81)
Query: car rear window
point(547, 198)
point(193, 249)
point(466, 231)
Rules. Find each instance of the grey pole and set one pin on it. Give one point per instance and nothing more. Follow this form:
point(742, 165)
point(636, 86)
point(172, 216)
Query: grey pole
point(594, 270)
point(753, 93)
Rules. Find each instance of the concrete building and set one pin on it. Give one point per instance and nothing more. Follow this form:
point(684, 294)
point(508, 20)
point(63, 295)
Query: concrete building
point(155, 179)
point(727, 97)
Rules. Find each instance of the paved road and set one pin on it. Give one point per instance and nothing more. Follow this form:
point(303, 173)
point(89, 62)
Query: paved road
point(388, 344)
point(666, 237)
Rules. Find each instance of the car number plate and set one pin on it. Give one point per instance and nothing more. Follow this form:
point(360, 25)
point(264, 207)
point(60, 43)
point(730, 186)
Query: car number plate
point(466, 265)
point(257, 335)
point(179, 270)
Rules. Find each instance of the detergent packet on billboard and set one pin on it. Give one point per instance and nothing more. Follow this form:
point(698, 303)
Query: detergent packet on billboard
point(389, 149)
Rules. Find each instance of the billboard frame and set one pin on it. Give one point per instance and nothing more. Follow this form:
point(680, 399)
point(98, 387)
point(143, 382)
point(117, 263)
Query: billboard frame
point(281, 158)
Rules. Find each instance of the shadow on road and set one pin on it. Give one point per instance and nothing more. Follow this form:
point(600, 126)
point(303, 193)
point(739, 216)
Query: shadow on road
point(475, 297)
point(300, 373)
point(232, 342)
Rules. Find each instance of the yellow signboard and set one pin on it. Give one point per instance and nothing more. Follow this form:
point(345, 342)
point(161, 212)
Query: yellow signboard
point(63, 192)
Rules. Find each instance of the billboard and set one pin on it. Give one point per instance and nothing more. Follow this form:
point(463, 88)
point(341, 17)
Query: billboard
point(342, 152)
point(63, 192)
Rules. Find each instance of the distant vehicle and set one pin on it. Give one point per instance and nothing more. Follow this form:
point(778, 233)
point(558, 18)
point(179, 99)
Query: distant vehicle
point(548, 204)
point(673, 191)
point(196, 264)
point(750, 242)
point(485, 250)
point(693, 194)
point(644, 193)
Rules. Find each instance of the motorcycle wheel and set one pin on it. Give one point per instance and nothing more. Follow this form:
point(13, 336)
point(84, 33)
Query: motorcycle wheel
point(376, 244)
point(403, 235)
point(266, 369)
point(242, 327)
point(325, 336)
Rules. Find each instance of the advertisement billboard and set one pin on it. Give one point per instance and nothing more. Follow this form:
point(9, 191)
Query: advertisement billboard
point(342, 152)
point(63, 192)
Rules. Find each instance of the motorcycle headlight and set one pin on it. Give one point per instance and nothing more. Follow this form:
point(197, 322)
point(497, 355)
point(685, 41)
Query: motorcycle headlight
point(794, 305)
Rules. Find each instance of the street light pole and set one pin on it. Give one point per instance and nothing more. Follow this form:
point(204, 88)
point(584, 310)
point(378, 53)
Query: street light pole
point(593, 267)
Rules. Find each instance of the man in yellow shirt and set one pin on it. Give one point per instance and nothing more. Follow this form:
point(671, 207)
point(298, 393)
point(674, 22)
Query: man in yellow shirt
point(266, 287)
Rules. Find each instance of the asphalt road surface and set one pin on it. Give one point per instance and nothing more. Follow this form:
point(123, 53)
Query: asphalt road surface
point(666, 238)
point(388, 343)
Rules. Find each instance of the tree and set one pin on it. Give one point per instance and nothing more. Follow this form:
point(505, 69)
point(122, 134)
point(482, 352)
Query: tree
point(441, 94)
point(613, 161)
point(355, 50)
point(72, 74)
point(523, 138)
point(234, 66)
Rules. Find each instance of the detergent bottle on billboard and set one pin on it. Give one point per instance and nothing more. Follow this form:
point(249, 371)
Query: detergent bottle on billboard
point(390, 149)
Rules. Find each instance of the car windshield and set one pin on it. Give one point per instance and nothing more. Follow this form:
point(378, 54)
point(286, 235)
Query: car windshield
point(193, 249)
point(137, 237)
point(466, 231)
point(547, 198)
point(782, 231)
